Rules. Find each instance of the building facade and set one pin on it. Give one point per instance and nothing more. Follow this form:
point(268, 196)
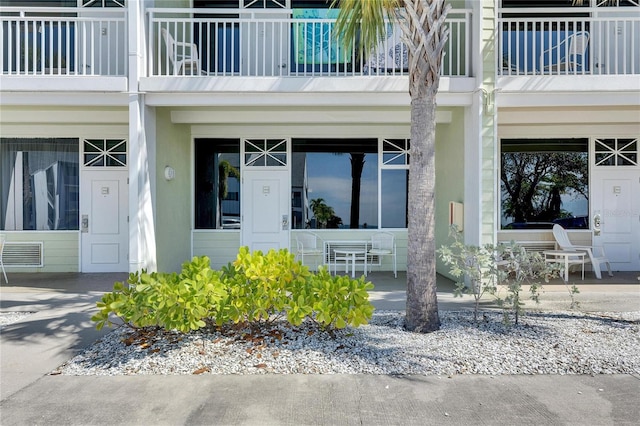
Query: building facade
point(137, 134)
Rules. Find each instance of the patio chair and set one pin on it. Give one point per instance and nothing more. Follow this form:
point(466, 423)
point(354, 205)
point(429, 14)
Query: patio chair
point(2, 241)
point(183, 56)
point(568, 55)
point(383, 244)
point(309, 244)
point(596, 254)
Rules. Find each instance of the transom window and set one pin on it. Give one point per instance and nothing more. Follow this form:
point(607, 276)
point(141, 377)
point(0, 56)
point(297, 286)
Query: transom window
point(265, 152)
point(616, 152)
point(104, 153)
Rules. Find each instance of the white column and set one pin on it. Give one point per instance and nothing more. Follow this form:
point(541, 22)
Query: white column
point(142, 244)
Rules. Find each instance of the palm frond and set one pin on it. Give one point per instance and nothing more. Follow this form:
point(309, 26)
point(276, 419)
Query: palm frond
point(364, 21)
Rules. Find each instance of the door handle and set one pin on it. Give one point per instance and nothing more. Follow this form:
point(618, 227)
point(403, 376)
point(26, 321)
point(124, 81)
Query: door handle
point(596, 224)
point(285, 222)
point(85, 223)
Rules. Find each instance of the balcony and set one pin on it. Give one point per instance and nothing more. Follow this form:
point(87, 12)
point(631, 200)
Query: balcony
point(281, 43)
point(63, 49)
point(569, 41)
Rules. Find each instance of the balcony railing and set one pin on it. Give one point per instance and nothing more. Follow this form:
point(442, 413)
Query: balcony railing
point(557, 42)
point(63, 41)
point(281, 43)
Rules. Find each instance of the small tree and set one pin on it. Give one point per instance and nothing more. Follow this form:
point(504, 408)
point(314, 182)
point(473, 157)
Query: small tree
point(491, 268)
point(476, 264)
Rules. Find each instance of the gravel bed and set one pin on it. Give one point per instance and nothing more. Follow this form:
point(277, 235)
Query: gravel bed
point(7, 318)
point(543, 343)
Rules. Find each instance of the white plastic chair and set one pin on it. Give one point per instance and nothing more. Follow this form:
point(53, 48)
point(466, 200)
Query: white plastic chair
point(383, 244)
point(2, 241)
point(182, 55)
point(309, 244)
point(595, 257)
point(568, 55)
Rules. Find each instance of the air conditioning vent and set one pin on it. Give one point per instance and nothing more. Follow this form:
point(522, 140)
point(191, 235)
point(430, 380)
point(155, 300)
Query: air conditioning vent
point(23, 254)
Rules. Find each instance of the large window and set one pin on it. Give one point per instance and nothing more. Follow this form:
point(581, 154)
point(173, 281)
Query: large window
point(544, 181)
point(39, 184)
point(217, 184)
point(337, 183)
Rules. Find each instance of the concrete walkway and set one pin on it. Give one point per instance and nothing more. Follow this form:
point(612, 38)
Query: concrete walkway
point(60, 327)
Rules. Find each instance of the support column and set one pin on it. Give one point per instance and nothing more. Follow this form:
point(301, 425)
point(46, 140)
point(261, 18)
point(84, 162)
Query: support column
point(142, 242)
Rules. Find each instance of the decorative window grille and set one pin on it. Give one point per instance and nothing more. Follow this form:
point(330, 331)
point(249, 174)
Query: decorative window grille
point(103, 3)
point(265, 152)
point(266, 4)
point(395, 152)
point(104, 153)
point(616, 152)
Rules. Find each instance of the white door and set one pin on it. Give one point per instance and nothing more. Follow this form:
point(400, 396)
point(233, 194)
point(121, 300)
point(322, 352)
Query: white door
point(615, 204)
point(103, 220)
point(266, 195)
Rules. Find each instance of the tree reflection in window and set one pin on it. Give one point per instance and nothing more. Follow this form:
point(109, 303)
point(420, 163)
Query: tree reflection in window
point(544, 181)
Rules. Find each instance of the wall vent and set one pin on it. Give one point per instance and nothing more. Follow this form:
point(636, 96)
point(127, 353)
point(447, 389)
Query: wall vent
point(20, 254)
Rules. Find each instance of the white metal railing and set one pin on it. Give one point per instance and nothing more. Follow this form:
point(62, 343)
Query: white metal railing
point(59, 41)
point(277, 42)
point(574, 41)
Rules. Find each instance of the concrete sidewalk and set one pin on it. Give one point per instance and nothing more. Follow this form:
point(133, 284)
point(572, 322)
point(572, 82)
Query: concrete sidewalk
point(60, 327)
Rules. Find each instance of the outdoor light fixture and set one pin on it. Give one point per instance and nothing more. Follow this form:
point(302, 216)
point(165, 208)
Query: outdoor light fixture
point(169, 173)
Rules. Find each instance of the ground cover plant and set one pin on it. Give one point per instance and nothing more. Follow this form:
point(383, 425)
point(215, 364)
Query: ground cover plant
point(256, 288)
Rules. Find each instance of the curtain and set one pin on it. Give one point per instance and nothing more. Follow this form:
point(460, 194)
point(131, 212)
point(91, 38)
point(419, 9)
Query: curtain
point(40, 184)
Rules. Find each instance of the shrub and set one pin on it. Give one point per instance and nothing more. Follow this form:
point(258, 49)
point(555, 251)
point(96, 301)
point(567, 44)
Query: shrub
point(255, 288)
point(169, 300)
point(491, 268)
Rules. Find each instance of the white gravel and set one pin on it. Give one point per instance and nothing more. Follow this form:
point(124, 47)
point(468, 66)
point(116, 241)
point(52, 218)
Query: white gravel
point(543, 343)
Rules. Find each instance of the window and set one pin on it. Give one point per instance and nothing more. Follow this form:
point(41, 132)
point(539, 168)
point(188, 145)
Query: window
point(616, 152)
point(544, 181)
point(217, 184)
point(338, 180)
point(394, 183)
point(39, 184)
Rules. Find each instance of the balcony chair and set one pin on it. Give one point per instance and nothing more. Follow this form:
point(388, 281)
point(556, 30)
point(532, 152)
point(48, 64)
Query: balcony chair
point(383, 244)
point(595, 257)
point(2, 241)
point(309, 244)
point(183, 56)
point(572, 54)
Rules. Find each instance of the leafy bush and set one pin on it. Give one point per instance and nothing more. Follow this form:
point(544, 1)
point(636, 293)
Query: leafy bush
point(255, 288)
point(169, 300)
point(491, 268)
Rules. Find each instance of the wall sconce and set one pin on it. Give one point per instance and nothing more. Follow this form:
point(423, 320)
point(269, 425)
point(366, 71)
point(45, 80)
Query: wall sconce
point(169, 173)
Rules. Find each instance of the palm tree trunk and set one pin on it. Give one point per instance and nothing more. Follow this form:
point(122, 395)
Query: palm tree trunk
point(357, 165)
point(422, 303)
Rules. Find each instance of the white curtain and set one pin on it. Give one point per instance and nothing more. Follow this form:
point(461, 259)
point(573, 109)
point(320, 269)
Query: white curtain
point(39, 184)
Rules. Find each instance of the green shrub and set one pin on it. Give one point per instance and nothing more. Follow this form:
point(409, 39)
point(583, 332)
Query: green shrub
point(169, 300)
point(255, 288)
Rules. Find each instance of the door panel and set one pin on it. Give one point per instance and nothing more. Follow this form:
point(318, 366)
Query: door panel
point(265, 209)
point(103, 221)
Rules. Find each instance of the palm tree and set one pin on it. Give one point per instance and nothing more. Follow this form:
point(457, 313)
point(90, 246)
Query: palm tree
point(225, 169)
point(322, 212)
point(422, 23)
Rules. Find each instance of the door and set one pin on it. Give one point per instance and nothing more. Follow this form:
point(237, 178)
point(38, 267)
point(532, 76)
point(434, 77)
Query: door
point(615, 205)
point(265, 194)
point(103, 221)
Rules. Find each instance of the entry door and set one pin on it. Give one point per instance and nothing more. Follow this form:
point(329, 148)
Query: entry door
point(266, 194)
point(615, 205)
point(103, 221)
